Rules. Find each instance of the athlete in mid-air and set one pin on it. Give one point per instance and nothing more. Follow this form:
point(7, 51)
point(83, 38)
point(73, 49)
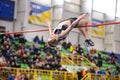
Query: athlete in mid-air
point(64, 27)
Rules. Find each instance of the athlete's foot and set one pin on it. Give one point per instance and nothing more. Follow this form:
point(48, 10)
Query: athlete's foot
point(89, 42)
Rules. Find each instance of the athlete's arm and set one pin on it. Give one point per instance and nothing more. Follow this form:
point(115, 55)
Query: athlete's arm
point(73, 24)
point(50, 28)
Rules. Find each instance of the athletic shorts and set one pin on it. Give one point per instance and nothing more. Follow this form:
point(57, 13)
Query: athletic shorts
point(59, 29)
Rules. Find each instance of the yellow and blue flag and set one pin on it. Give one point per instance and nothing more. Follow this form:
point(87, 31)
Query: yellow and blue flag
point(97, 30)
point(39, 13)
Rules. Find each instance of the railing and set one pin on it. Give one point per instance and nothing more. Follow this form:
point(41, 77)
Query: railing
point(77, 60)
point(92, 64)
point(52, 75)
point(66, 61)
point(100, 77)
point(87, 77)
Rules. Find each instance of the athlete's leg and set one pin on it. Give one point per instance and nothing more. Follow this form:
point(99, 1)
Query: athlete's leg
point(86, 33)
point(74, 24)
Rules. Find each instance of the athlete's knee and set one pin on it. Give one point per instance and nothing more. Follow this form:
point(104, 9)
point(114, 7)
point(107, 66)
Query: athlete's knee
point(87, 29)
point(83, 22)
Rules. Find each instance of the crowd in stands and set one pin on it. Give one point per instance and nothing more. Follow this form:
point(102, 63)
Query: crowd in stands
point(94, 56)
point(19, 77)
point(72, 49)
point(16, 52)
point(97, 59)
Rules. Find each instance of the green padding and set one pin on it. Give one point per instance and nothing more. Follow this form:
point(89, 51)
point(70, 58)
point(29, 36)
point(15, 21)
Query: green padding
point(84, 51)
point(104, 62)
point(68, 49)
point(45, 77)
point(104, 55)
point(24, 66)
point(43, 56)
point(31, 56)
point(19, 60)
point(103, 68)
point(41, 45)
point(86, 63)
point(0, 40)
point(62, 51)
point(1, 33)
point(111, 65)
point(16, 42)
point(28, 43)
point(105, 65)
point(51, 55)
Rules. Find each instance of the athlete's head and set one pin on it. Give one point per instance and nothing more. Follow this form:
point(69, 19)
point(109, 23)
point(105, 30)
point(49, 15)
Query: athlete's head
point(52, 42)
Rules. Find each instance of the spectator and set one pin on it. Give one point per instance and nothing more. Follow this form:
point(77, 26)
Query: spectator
point(113, 60)
point(98, 71)
point(99, 63)
point(112, 54)
point(7, 55)
point(68, 45)
point(79, 73)
point(74, 50)
point(64, 45)
point(79, 49)
point(12, 64)
point(92, 70)
point(22, 39)
point(93, 51)
point(16, 36)
point(0, 53)
point(2, 61)
point(118, 68)
point(43, 42)
point(11, 77)
point(92, 60)
point(38, 78)
point(8, 64)
point(108, 72)
point(104, 51)
point(18, 76)
point(83, 72)
point(62, 69)
point(37, 40)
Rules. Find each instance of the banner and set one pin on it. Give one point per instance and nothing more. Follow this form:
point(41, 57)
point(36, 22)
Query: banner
point(39, 13)
point(99, 30)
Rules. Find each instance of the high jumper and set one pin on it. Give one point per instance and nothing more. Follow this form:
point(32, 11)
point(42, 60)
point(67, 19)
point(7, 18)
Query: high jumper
point(64, 27)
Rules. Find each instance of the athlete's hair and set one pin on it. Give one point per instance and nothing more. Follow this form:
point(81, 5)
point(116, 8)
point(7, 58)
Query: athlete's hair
point(53, 43)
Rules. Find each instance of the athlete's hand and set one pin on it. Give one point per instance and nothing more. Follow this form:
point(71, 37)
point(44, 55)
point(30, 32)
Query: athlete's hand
point(48, 23)
point(84, 15)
